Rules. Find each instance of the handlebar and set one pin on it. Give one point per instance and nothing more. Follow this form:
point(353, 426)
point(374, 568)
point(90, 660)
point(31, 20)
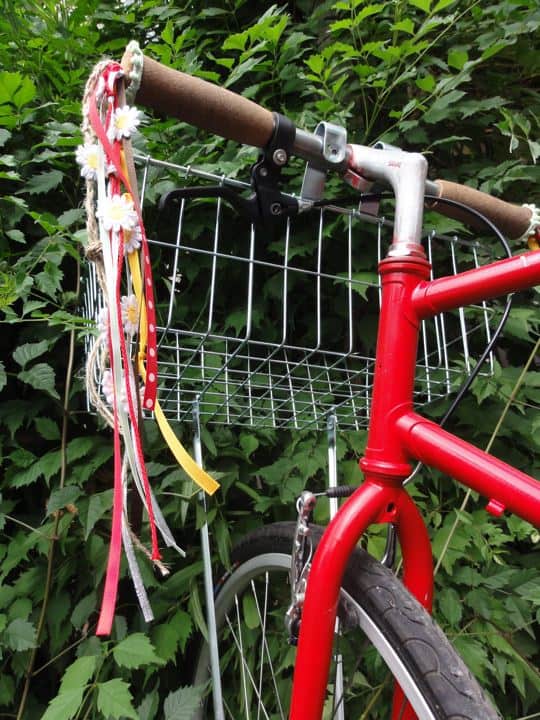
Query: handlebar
point(201, 103)
point(513, 220)
point(222, 112)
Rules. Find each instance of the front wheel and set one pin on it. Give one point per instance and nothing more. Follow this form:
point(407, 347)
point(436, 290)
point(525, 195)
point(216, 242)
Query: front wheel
point(383, 635)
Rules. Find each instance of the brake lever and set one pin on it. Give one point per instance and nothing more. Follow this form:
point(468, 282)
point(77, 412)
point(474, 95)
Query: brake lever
point(248, 207)
point(267, 204)
point(262, 207)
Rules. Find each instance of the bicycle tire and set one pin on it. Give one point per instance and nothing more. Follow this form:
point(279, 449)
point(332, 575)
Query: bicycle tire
point(434, 678)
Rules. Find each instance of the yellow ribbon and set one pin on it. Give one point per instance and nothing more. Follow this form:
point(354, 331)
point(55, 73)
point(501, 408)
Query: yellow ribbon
point(184, 459)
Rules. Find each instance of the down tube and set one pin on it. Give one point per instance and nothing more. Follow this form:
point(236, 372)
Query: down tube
point(372, 502)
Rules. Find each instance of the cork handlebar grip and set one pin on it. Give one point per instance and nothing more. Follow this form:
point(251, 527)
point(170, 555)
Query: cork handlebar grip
point(201, 103)
point(512, 220)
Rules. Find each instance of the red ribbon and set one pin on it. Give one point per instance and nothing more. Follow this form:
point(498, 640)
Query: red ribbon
point(113, 155)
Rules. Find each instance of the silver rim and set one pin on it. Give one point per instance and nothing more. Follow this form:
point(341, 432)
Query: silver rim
point(257, 674)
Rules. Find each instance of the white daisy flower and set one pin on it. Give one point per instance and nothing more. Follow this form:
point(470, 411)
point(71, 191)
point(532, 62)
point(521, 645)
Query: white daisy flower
point(107, 386)
point(130, 314)
point(87, 156)
point(103, 322)
point(124, 122)
point(132, 239)
point(117, 213)
point(108, 391)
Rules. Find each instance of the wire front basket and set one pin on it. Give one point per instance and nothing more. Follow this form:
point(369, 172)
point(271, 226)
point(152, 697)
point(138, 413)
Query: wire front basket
point(277, 327)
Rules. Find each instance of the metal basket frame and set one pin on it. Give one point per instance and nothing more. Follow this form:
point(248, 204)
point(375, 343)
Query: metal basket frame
point(286, 382)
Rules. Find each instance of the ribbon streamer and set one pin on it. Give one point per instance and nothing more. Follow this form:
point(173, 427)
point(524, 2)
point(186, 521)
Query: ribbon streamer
point(115, 175)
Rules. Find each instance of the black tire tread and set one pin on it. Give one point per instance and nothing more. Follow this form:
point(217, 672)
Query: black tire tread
point(445, 681)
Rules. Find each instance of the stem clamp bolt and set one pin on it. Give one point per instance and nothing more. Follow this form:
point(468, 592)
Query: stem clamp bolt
point(280, 157)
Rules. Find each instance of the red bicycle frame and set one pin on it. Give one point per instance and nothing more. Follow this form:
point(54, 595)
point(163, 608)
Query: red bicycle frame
point(398, 435)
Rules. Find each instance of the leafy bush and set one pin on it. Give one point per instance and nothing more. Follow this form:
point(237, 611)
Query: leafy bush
point(452, 78)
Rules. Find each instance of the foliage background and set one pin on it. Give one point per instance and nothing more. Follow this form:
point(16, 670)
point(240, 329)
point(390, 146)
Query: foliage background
point(455, 79)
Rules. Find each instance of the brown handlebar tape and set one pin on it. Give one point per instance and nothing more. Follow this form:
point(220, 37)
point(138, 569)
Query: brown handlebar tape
point(512, 220)
point(202, 104)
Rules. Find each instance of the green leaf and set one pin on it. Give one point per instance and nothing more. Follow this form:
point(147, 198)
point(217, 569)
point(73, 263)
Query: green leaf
point(316, 64)
point(98, 505)
point(20, 635)
point(249, 607)
point(40, 377)
point(450, 605)
point(171, 635)
point(50, 279)
point(29, 351)
point(47, 428)
point(3, 376)
point(249, 443)
point(25, 93)
point(16, 88)
point(79, 673)
point(4, 136)
point(442, 4)
point(421, 4)
point(367, 11)
point(406, 26)
point(134, 651)
point(183, 703)
point(457, 58)
point(114, 700)
point(48, 465)
point(43, 183)
point(147, 710)
point(21, 608)
point(473, 653)
point(80, 447)
point(83, 610)
point(7, 689)
point(426, 83)
point(16, 236)
point(62, 497)
point(241, 69)
point(236, 42)
point(70, 217)
point(440, 108)
point(167, 34)
point(65, 705)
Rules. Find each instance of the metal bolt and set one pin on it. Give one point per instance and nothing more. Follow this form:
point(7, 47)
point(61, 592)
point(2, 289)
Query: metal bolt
point(275, 208)
point(263, 172)
point(279, 156)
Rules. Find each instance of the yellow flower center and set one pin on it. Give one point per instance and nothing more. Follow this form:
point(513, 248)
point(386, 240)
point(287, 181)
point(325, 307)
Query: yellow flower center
point(92, 160)
point(117, 212)
point(132, 314)
point(121, 121)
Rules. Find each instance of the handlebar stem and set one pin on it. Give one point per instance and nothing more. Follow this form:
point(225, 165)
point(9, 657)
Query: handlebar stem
point(406, 173)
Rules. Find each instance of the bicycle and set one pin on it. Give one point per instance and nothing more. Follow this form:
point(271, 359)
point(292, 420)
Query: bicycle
point(340, 589)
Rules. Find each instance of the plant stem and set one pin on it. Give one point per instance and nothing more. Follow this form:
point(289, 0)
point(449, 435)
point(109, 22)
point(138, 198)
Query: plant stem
point(28, 527)
point(53, 539)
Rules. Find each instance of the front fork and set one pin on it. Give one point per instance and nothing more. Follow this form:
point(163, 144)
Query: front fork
point(371, 503)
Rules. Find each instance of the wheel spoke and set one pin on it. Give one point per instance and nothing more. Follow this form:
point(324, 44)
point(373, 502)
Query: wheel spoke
point(264, 643)
point(241, 649)
point(246, 672)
